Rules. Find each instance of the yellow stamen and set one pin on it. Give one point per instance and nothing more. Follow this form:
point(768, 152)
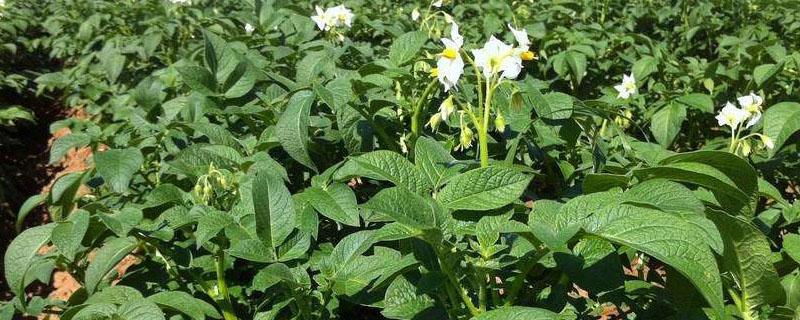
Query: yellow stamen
point(435, 72)
point(528, 55)
point(449, 53)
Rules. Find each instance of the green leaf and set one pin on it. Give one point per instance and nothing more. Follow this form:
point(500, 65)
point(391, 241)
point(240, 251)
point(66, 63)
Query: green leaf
point(665, 195)
point(660, 235)
point(336, 94)
point(216, 134)
point(406, 47)
point(386, 165)
point(26, 208)
point(765, 72)
point(314, 63)
point(21, 253)
point(336, 201)
point(577, 65)
point(415, 211)
point(199, 79)
point(598, 182)
point(643, 67)
point(781, 121)
point(518, 313)
point(240, 81)
point(434, 161)
point(67, 235)
point(350, 247)
point(791, 245)
point(292, 128)
point(732, 180)
point(666, 123)
point(64, 144)
point(747, 257)
point(209, 224)
point(698, 101)
point(185, 303)
point(274, 210)
point(403, 301)
point(140, 310)
point(106, 258)
point(117, 167)
point(483, 189)
point(553, 105)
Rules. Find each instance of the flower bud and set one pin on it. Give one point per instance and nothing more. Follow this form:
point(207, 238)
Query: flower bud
point(446, 108)
point(433, 123)
point(465, 139)
point(746, 148)
point(767, 141)
point(500, 123)
point(528, 56)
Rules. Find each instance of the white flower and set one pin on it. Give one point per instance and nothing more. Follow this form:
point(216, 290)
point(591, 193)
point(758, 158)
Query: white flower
point(324, 20)
point(2, 3)
point(627, 87)
point(731, 116)
point(752, 104)
point(450, 65)
point(448, 18)
point(342, 16)
point(181, 1)
point(403, 144)
point(497, 57)
point(522, 38)
point(249, 28)
point(415, 15)
point(437, 4)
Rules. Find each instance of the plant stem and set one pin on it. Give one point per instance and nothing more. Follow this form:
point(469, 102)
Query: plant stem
point(225, 298)
point(483, 130)
point(445, 267)
point(415, 125)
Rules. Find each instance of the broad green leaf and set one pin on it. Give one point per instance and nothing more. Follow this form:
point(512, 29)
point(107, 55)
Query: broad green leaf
point(698, 101)
point(553, 105)
point(65, 187)
point(767, 190)
point(598, 182)
point(314, 63)
point(199, 79)
point(140, 310)
point(765, 72)
point(106, 258)
point(406, 47)
point(403, 301)
point(117, 294)
point(184, 303)
point(272, 275)
point(371, 272)
point(404, 207)
point(350, 247)
point(781, 121)
point(434, 161)
point(335, 201)
point(666, 123)
point(26, 208)
point(518, 313)
point(209, 224)
point(665, 195)
point(62, 145)
point(660, 235)
point(791, 245)
point(483, 189)
point(274, 210)
point(117, 167)
point(216, 134)
point(292, 128)
point(386, 165)
point(21, 253)
point(643, 67)
point(240, 81)
point(336, 93)
point(791, 285)
point(67, 235)
point(747, 257)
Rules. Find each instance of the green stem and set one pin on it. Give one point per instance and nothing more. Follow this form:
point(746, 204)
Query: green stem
point(415, 124)
point(483, 130)
point(225, 298)
point(448, 272)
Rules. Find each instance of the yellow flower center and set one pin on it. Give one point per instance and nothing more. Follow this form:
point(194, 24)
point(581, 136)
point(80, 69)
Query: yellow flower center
point(752, 108)
point(630, 86)
point(449, 53)
point(528, 56)
point(435, 72)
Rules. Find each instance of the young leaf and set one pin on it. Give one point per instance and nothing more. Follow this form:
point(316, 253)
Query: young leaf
point(483, 189)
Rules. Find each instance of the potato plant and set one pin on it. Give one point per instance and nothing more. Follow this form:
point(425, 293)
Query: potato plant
point(554, 159)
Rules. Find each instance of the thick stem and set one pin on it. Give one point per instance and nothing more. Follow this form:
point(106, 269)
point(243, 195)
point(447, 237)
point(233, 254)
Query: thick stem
point(415, 124)
point(224, 297)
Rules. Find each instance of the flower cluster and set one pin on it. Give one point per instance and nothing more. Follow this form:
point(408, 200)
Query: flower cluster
point(743, 117)
point(335, 17)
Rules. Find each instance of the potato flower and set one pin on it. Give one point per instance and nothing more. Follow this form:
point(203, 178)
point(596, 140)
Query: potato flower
point(249, 28)
point(450, 65)
point(627, 88)
point(524, 42)
point(497, 57)
point(324, 19)
point(731, 116)
point(342, 16)
point(752, 105)
point(415, 14)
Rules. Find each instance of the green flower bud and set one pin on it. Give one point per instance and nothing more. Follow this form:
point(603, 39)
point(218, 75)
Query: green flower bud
point(500, 123)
